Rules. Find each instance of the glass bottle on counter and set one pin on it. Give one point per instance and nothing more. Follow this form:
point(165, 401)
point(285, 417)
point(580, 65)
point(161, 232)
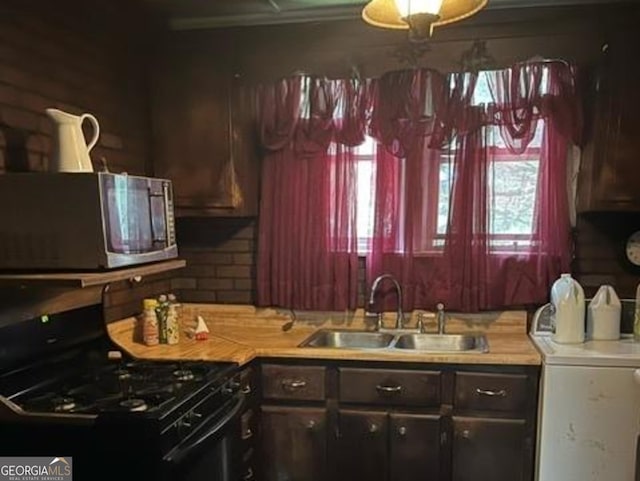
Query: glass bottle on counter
point(150, 322)
point(162, 311)
point(173, 325)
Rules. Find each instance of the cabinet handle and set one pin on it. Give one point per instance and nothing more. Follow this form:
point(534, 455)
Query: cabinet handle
point(246, 389)
point(489, 393)
point(248, 475)
point(311, 425)
point(292, 384)
point(402, 431)
point(373, 428)
point(389, 389)
point(247, 434)
point(466, 434)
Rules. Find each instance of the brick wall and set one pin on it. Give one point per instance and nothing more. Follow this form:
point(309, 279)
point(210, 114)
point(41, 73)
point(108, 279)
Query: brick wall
point(220, 255)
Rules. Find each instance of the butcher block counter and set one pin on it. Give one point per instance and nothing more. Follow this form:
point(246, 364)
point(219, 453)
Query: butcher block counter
point(243, 333)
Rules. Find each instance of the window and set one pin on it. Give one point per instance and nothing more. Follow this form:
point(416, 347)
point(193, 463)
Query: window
point(512, 187)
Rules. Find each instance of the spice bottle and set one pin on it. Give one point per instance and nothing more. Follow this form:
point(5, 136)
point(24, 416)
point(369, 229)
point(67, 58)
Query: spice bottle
point(150, 322)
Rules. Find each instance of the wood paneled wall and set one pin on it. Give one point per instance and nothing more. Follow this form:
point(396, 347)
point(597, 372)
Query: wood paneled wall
point(600, 241)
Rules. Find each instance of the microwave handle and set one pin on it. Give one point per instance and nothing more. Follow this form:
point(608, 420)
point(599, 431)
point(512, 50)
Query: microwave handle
point(154, 238)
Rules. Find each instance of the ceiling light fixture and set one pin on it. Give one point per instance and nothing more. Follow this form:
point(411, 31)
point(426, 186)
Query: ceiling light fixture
point(419, 16)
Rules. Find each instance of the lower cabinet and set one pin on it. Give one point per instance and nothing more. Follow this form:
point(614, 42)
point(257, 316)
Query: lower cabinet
point(486, 449)
point(361, 446)
point(415, 445)
point(349, 421)
point(294, 443)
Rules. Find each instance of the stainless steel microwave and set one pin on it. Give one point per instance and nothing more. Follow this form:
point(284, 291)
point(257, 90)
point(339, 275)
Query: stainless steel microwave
point(84, 221)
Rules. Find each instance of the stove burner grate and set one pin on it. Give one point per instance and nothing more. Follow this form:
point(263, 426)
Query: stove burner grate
point(63, 404)
point(183, 375)
point(134, 405)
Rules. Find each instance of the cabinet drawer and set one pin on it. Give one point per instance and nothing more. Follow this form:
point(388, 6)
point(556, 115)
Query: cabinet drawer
point(390, 387)
point(491, 392)
point(293, 382)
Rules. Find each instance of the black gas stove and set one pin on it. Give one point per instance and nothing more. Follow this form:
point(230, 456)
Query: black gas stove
point(64, 387)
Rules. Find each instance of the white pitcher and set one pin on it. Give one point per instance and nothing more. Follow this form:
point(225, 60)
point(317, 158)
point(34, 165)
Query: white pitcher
point(71, 152)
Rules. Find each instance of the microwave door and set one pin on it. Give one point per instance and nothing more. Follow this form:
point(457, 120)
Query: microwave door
point(129, 207)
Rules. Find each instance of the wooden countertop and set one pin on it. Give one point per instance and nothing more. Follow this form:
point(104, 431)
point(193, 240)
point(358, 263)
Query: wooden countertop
point(243, 333)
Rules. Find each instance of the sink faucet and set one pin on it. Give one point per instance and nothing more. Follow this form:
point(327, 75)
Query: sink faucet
point(374, 289)
point(440, 318)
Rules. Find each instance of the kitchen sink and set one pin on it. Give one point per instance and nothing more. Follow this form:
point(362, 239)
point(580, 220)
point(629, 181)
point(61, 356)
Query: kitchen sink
point(349, 340)
point(442, 342)
point(390, 341)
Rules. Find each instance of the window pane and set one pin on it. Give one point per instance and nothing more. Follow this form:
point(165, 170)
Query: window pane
point(444, 195)
point(513, 185)
point(364, 208)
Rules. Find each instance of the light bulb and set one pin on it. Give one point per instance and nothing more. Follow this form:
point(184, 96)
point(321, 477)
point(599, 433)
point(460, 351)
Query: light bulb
point(411, 7)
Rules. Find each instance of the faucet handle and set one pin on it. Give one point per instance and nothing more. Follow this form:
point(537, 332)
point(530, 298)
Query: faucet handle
point(440, 307)
point(421, 322)
point(378, 317)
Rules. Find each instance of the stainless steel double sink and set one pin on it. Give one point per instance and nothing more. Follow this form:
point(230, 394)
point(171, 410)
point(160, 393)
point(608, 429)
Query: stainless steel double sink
point(398, 341)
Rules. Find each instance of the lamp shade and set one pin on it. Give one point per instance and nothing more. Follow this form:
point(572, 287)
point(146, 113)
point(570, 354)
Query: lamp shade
point(386, 13)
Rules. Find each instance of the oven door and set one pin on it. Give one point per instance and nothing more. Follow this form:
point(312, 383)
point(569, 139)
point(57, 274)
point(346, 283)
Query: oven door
point(213, 452)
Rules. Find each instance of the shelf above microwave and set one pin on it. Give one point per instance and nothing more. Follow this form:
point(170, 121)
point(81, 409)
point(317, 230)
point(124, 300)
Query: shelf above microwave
point(88, 279)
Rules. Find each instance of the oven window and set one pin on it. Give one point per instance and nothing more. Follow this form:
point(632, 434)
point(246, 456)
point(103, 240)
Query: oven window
point(128, 214)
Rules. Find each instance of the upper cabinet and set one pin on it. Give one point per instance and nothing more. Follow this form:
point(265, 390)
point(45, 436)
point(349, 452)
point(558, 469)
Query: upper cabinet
point(610, 172)
point(203, 130)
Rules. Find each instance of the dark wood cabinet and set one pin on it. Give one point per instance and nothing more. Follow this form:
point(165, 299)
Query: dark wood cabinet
point(361, 449)
point(491, 392)
point(294, 443)
point(487, 449)
point(610, 169)
point(301, 383)
point(390, 387)
point(203, 131)
point(428, 422)
point(415, 445)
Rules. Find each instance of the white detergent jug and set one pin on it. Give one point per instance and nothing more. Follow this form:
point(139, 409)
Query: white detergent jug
point(71, 151)
point(567, 300)
point(603, 315)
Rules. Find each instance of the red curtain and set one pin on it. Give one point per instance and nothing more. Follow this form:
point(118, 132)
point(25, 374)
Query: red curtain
point(307, 238)
point(434, 171)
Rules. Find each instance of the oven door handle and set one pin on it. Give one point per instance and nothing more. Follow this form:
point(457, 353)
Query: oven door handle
point(182, 452)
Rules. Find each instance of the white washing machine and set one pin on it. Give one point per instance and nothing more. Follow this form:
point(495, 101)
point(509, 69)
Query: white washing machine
point(589, 410)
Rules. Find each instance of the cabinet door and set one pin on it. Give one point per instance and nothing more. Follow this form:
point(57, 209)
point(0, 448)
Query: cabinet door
point(415, 447)
point(203, 135)
point(294, 443)
point(362, 446)
point(486, 449)
point(608, 178)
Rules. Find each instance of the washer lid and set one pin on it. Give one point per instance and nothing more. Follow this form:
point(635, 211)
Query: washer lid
point(622, 353)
